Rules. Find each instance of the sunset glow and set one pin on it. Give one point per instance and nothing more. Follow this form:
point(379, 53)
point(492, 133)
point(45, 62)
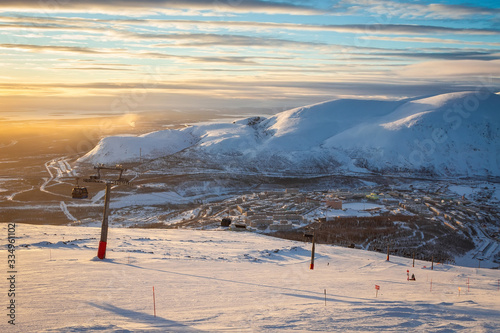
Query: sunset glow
point(115, 57)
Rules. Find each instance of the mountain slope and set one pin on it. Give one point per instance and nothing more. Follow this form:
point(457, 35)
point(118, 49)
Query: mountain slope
point(222, 281)
point(450, 134)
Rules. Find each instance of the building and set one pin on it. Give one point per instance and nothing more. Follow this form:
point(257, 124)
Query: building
point(334, 204)
point(281, 226)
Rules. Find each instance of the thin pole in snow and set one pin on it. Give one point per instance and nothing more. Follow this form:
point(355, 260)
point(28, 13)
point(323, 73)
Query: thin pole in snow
point(154, 301)
point(325, 297)
point(311, 266)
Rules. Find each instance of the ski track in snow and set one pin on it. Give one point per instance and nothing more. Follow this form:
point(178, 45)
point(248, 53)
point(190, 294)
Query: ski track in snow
point(98, 196)
point(66, 212)
point(11, 197)
point(61, 168)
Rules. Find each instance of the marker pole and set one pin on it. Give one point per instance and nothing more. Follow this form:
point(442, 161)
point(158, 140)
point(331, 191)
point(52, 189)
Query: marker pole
point(101, 252)
point(154, 301)
point(312, 251)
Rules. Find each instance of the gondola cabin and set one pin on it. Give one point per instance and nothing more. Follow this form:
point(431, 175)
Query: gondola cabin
point(226, 222)
point(79, 192)
point(308, 235)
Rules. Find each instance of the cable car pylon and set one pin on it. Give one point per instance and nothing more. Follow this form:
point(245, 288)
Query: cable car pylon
point(101, 251)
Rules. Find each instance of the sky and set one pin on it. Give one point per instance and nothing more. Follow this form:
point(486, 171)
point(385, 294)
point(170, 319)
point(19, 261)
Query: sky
point(64, 58)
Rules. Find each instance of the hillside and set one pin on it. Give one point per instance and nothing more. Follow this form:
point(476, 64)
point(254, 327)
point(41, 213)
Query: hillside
point(455, 134)
point(223, 281)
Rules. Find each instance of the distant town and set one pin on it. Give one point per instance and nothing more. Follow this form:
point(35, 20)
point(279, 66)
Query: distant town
point(413, 220)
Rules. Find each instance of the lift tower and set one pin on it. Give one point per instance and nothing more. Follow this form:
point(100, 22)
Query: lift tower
point(101, 252)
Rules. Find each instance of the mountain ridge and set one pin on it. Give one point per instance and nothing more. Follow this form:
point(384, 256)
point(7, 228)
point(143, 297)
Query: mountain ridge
point(455, 134)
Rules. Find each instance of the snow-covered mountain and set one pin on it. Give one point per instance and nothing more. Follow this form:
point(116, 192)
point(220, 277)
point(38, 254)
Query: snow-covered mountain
point(452, 134)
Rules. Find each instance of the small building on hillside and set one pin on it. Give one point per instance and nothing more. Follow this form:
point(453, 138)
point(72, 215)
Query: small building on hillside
point(281, 226)
point(334, 204)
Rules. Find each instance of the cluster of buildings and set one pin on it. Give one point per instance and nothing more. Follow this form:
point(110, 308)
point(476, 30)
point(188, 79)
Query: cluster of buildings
point(456, 213)
point(423, 211)
point(291, 208)
point(288, 209)
point(273, 211)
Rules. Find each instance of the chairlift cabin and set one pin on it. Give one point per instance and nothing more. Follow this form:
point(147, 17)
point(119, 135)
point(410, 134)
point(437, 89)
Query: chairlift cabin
point(79, 192)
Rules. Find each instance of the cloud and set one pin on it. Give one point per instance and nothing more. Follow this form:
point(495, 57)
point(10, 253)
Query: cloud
point(452, 69)
point(122, 27)
point(388, 8)
point(401, 29)
point(152, 6)
point(408, 83)
point(429, 40)
point(93, 68)
point(443, 54)
point(232, 60)
point(223, 94)
point(212, 39)
point(253, 58)
point(51, 48)
point(368, 29)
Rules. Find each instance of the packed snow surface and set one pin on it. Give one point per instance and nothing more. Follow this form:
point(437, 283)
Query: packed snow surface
point(223, 281)
point(450, 134)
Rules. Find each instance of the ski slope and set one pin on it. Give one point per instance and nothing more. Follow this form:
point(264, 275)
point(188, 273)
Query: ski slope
point(223, 281)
